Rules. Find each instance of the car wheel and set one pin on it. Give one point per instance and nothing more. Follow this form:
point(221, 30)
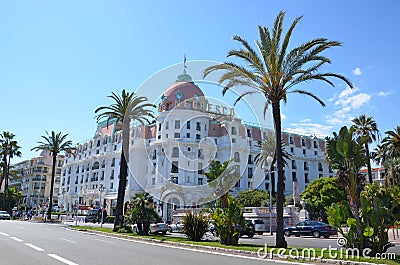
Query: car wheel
point(170, 230)
point(316, 234)
point(287, 233)
point(163, 232)
point(326, 236)
point(250, 235)
point(260, 233)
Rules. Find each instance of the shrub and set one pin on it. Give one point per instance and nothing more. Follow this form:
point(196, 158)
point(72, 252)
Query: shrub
point(125, 229)
point(195, 226)
point(110, 219)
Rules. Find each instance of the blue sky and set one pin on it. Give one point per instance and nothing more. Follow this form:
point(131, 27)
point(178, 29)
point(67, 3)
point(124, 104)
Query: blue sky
point(60, 59)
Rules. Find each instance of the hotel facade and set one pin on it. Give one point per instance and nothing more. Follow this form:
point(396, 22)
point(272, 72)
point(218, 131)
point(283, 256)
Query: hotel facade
point(169, 157)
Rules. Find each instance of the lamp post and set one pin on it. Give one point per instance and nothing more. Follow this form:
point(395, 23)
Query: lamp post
point(266, 168)
point(101, 189)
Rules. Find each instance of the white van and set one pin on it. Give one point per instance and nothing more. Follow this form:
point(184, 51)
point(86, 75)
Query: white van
point(259, 226)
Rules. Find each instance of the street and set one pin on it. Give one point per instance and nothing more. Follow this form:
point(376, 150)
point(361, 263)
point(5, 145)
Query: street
point(24, 243)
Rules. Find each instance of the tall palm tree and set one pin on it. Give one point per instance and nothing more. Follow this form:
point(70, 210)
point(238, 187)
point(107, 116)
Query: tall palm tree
point(274, 71)
point(126, 107)
point(392, 143)
point(267, 148)
point(9, 149)
point(366, 126)
point(54, 143)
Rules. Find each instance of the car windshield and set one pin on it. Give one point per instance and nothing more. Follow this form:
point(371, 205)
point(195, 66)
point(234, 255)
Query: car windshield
point(3, 212)
point(92, 212)
point(259, 222)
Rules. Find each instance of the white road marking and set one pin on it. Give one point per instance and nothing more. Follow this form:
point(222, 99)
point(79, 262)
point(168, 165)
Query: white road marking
point(20, 227)
point(34, 247)
point(198, 250)
point(16, 239)
point(54, 256)
point(4, 234)
point(105, 241)
point(67, 240)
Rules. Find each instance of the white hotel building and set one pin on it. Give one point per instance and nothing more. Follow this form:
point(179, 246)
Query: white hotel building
point(168, 158)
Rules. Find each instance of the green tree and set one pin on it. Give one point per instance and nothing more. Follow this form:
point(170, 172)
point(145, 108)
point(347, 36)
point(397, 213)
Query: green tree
point(252, 198)
point(391, 143)
point(55, 143)
point(346, 154)
point(227, 221)
point(221, 178)
point(274, 72)
point(141, 212)
point(127, 107)
point(392, 169)
point(366, 126)
point(321, 193)
point(9, 149)
point(14, 196)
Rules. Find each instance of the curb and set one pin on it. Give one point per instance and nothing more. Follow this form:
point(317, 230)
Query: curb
point(275, 257)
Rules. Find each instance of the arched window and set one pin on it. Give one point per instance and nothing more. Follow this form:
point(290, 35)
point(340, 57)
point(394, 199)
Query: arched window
point(98, 143)
point(175, 152)
point(113, 162)
point(237, 157)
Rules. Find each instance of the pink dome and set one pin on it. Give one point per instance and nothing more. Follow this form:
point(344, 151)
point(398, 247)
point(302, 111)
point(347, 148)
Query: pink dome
point(182, 90)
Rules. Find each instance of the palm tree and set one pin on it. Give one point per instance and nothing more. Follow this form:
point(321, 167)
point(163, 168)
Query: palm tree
point(222, 177)
point(391, 143)
point(127, 107)
point(392, 168)
point(9, 149)
point(267, 148)
point(366, 126)
point(274, 71)
point(55, 143)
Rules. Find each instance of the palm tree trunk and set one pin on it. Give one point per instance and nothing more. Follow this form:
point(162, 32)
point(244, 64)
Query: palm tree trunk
point(280, 238)
point(368, 163)
point(5, 178)
point(53, 172)
point(123, 173)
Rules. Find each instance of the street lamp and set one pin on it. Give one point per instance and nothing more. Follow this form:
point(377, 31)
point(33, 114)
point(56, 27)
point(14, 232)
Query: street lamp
point(101, 189)
point(267, 168)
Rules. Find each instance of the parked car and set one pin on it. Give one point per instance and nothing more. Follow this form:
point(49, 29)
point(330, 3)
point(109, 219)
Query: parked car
point(155, 228)
point(177, 227)
point(94, 215)
point(4, 215)
point(259, 226)
point(311, 228)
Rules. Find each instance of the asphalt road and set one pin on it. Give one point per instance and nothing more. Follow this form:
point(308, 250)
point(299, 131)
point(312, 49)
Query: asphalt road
point(30, 243)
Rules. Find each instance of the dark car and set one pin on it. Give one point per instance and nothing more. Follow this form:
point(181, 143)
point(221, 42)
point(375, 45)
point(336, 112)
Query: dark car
point(94, 216)
point(311, 228)
point(247, 230)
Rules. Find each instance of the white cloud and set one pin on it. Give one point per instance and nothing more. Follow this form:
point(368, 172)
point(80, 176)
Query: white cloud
point(357, 71)
point(347, 92)
point(283, 116)
point(347, 101)
point(308, 128)
point(305, 120)
point(383, 94)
